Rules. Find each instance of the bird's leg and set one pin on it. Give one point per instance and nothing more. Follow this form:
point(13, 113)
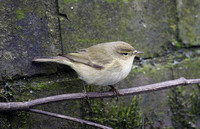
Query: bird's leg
point(84, 91)
point(115, 91)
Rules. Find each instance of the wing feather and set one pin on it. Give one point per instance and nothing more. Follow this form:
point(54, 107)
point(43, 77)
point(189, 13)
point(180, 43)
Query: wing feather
point(96, 56)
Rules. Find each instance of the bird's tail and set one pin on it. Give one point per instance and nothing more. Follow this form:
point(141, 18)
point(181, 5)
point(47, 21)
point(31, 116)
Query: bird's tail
point(56, 59)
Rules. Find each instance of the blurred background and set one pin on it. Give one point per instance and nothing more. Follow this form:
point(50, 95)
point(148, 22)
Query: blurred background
point(167, 31)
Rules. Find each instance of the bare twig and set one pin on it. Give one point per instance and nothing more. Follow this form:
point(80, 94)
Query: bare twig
point(68, 118)
point(74, 96)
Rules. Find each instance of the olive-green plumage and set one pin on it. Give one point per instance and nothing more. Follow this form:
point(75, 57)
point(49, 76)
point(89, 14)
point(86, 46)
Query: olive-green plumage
point(102, 64)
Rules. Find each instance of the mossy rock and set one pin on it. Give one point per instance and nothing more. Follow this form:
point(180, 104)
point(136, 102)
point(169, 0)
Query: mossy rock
point(29, 29)
point(189, 22)
point(93, 22)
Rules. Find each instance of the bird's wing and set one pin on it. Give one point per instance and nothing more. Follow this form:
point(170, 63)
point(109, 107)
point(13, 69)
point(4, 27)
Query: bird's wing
point(95, 56)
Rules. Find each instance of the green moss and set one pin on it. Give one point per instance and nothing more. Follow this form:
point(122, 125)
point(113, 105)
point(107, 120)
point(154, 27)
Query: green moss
point(173, 27)
point(15, 119)
point(20, 119)
point(88, 40)
point(177, 43)
point(185, 106)
point(188, 23)
point(111, 1)
point(20, 14)
point(150, 70)
point(68, 1)
point(116, 116)
point(19, 27)
point(188, 68)
point(46, 86)
point(189, 65)
point(5, 75)
point(39, 86)
point(41, 11)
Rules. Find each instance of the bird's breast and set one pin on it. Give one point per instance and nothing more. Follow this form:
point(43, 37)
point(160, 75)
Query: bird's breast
point(109, 75)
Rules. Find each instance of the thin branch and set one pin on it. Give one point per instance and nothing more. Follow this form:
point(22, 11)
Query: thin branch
point(74, 96)
point(68, 118)
point(130, 91)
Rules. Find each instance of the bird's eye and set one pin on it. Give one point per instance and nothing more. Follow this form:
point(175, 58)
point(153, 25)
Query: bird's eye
point(125, 54)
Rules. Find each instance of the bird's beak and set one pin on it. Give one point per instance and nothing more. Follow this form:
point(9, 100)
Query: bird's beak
point(137, 52)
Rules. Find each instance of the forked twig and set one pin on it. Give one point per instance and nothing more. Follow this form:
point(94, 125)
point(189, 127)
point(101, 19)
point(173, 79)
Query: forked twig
point(10, 106)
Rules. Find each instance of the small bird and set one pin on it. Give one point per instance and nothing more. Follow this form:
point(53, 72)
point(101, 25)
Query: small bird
point(104, 64)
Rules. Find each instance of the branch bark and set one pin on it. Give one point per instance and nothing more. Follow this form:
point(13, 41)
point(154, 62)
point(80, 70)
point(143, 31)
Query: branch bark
point(9, 106)
point(68, 118)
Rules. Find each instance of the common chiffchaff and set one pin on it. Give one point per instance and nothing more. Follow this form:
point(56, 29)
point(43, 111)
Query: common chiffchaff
point(102, 64)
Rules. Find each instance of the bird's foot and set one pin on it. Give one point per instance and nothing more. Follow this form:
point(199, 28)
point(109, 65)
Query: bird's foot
point(85, 93)
point(115, 91)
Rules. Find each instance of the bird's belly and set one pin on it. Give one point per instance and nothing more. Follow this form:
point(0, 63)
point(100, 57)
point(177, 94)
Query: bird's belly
point(112, 78)
point(102, 77)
